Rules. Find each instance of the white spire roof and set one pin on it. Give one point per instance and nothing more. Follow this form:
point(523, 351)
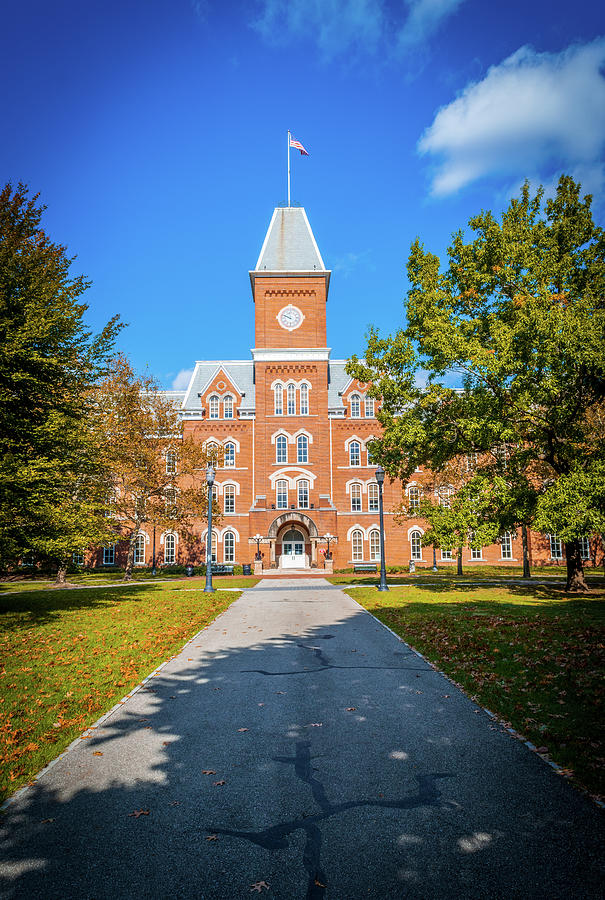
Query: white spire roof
point(289, 244)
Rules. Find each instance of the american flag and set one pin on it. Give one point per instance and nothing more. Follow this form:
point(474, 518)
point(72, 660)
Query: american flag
point(298, 146)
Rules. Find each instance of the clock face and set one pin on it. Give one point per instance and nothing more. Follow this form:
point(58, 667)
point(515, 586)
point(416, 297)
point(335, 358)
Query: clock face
point(290, 317)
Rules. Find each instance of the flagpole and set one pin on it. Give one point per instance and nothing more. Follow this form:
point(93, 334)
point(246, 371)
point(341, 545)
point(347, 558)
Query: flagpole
point(288, 168)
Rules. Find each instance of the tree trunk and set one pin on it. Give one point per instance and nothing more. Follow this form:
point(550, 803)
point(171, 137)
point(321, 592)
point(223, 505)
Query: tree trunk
point(526, 569)
point(130, 557)
point(575, 568)
point(459, 567)
point(61, 573)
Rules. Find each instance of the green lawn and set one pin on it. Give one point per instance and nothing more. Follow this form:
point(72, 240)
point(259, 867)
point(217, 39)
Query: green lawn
point(533, 655)
point(101, 578)
point(67, 656)
point(474, 573)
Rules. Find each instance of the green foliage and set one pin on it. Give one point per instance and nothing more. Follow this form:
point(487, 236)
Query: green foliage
point(573, 506)
point(49, 477)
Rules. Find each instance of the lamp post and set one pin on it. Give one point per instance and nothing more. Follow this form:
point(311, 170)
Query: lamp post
point(153, 569)
point(383, 572)
point(328, 537)
point(258, 538)
point(208, 589)
point(434, 559)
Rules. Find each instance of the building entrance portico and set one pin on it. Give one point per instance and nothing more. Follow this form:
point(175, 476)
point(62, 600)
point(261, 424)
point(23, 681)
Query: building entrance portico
point(293, 550)
point(293, 538)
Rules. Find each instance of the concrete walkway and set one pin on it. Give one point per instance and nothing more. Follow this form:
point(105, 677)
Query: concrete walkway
point(296, 743)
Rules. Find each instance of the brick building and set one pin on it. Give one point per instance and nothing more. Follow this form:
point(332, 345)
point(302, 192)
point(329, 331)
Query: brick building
point(294, 432)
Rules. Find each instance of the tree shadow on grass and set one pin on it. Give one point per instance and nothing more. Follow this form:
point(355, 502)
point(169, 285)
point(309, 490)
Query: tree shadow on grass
point(325, 762)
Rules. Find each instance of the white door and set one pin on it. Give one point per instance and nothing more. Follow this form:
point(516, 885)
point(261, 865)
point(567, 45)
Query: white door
point(293, 555)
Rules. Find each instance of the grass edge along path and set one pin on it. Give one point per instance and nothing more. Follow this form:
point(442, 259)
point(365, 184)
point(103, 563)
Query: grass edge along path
point(67, 657)
point(534, 657)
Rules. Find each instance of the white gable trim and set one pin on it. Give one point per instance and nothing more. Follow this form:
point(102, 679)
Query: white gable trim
point(291, 478)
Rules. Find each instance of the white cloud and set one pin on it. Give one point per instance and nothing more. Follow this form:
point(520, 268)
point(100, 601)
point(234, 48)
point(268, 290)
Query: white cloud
point(424, 19)
point(534, 114)
point(182, 379)
point(343, 26)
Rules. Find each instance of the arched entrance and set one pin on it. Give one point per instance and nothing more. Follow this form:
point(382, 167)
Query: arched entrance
point(293, 549)
point(293, 538)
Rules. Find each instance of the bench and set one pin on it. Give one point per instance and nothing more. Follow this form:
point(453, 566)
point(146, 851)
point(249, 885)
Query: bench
point(221, 570)
point(364, 567)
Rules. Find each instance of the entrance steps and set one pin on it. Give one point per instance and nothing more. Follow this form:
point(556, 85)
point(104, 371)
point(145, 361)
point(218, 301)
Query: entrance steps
point(294, 573)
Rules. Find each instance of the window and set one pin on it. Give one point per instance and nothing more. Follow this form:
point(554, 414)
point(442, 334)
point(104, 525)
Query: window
point(214, 543)
point(170, 500)
point(282, 495)
point(501, 454)
point(506, 546)
point(109, 555)
point(304, 399)
point(585, 548)
point(214, 492)
point(140, 506)
point(229, 462)
point(357, 546)
point(475, 553)
point(556, 550)
point(302, 448)
point(213, 407)
point(212, 453)
point(170, 462)
point(291, 400)
point(445, 494)
point(413, 498)
point(228, 407)
point(372, 498)
point(369, 408)
point(355, 406)
point(303, 494)
point(169, 550)
point(281, 449)
point(139, 550)
point(369, 455)
point(354, 453)
point(415, 545)
point(229, 547)
point(470, 462)
point(374, 545)
point(229, 498)
point(355, 498)
point(445, 554)
point(77, 557)
point(279, 399)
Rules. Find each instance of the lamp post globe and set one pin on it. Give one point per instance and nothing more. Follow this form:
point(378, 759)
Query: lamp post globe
point(210, 475)
point(258, 538)
point(383, 586)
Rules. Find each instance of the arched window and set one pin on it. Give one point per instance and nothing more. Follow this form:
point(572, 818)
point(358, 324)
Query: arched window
point(278, 392)
point(369, 408)
point(229, 462)
point(170, 500)
point(445, 494)
point(213, 407)
point(355, 406)
point(372, 498)
point(302, 448)
point(139, 550)
point(281, 449)
point(291, 400)
point(228, 407)
point(470, 462)
point(214, 545)
point(229, 547)
point(229, 498)
point(303, 494)
point(169, 550)
point(506, 546)
point(374, 545)
point(357, 546)
point(212, 452)
point(354, 453)
point(170, 462)
point(304, 399)
point(413, 498)
point(415, 545)
point(355, 498)
point(369, 454)
point(282, 494)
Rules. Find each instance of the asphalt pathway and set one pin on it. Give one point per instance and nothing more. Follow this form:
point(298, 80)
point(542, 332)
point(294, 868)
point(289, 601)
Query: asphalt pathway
point(297, 749)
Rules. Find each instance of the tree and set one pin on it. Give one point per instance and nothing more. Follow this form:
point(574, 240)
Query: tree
point(158, 477)
point(518, 316)
point(49, 363)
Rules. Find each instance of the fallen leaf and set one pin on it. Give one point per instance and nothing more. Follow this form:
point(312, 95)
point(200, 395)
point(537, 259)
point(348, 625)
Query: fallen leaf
point(541, 749)
point(175, 802)
point(166, 743)
point(318, 883)
point(138, 812)
point(217, 783)
point(315, 724)
point(258, 886)
point(47, 821)
point(212, 837)
point(280, 692)
point(242, 729)
point(261, 704)
point(97, 753)
point(208, 772)
point(350, 709)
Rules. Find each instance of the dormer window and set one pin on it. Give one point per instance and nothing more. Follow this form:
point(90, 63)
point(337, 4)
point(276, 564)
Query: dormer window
point(213, 407)
point(228, 407)
point(355, 406)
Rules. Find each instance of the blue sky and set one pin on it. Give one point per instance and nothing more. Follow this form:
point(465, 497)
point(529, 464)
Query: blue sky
point(155, 132)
